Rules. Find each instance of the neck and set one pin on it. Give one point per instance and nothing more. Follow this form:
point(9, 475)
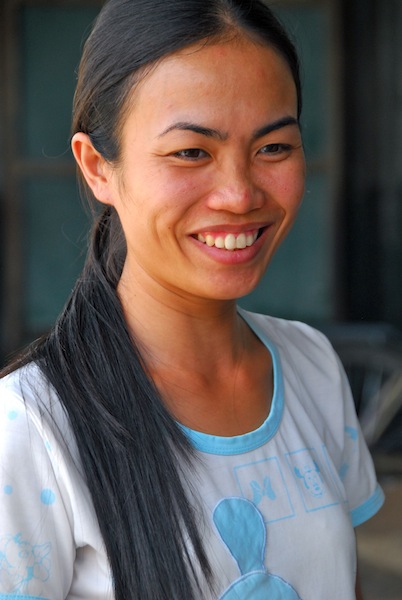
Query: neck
point(172, 330)
point(203, 358)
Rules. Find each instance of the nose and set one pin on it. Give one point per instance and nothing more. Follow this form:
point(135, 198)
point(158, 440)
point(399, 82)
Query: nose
point(234, 189)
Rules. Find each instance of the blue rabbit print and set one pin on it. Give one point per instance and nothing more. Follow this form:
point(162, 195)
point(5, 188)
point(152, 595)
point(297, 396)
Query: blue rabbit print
point(22, 564)
point(242, 528)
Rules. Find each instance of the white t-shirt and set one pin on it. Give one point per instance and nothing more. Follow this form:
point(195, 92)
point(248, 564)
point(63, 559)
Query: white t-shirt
point(279, 503)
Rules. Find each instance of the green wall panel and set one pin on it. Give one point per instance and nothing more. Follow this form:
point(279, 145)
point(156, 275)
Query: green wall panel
point(55, 228)
point(54, 222)
point(52, 41)
point(309, 26)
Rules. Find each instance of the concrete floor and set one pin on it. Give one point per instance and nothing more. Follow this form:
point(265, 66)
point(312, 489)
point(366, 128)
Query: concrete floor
point(380, 545)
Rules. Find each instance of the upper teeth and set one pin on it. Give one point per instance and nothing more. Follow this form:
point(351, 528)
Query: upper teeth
point(229, 241)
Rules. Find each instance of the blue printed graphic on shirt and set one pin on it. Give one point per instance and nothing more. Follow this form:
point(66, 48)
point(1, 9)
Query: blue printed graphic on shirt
point(334, 477)
point(351, 440)
point(313, 483)
point(262, 483)
point(242, 528)
point(22, 564)
point(260, 491)
point(352, 433)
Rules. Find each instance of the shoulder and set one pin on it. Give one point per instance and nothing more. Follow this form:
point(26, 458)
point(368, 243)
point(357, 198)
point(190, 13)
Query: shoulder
point(31, 414)
point(307, 360)
point(37, 443)
point(20, 391)
point(27, 391)
point(23, 382)
point(292, 338)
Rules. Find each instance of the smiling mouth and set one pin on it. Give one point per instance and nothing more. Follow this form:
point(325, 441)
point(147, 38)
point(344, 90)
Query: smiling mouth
point(230, 241)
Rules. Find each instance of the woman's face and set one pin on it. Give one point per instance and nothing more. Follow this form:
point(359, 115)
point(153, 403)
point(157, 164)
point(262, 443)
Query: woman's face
point(211, 173)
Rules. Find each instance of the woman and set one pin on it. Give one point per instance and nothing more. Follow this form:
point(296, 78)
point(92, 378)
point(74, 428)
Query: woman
point(161, 443)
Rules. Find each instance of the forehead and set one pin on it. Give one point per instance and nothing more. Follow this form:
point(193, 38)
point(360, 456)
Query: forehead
point(235, 77)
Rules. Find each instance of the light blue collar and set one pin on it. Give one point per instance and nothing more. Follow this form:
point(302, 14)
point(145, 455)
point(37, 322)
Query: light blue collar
point(239, 444)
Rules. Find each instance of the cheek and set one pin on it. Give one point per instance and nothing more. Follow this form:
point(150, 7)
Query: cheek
point(291, 187)
point(296, 193)
point(182, 188)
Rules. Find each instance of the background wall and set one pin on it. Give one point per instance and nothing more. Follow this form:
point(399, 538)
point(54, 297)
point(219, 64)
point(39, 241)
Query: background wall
point(372, 191)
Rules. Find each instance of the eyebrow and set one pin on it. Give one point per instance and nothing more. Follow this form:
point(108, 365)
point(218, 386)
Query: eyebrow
point(222, 136)
point(279, 124)
point(188, 126)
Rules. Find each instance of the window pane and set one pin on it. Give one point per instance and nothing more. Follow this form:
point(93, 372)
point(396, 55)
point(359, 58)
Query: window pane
point(55, 228)
point(310, 28)
point(52, 39)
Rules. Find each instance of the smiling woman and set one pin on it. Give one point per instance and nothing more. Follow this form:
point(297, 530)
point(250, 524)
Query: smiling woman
point(164, 443)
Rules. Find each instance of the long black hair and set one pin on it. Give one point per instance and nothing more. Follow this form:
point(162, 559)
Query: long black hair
point(132, 451)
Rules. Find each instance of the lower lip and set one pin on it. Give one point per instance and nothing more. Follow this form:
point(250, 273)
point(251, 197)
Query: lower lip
point(234, 257)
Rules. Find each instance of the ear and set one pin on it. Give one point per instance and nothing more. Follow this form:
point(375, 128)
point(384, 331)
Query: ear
point(97, 172)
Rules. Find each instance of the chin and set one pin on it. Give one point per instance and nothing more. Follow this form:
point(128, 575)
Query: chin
point(235, 291)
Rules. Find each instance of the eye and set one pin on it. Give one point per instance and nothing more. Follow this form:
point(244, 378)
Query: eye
point(275, 150)
point(191, 154)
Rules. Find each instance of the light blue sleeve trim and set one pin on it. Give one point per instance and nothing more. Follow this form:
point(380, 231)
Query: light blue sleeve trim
point(20, 597)
point(369, 508)
point(239, 444)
